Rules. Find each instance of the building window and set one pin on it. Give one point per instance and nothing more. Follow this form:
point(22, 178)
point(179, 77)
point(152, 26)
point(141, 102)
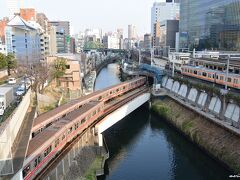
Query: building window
point(68, 66)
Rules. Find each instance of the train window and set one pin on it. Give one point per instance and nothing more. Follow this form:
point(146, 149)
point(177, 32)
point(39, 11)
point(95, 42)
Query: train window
point(204, 74)
point(124, 87)
point(229, 79)
point(39, 159)
point(63, 137)
point(195, 72)
point(209, 75)
point(217, 77)
point(69, 130)
point(235, 81)
point(26, 171)
point(83, 121)
point(111, 92)
point(99, 98)
point(56, 142)
point(213, 76)
point(221, 78)
point(35, 163)
point(117, 90)
point(76, 125)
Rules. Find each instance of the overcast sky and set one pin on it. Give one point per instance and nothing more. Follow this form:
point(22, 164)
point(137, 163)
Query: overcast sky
point(106, 14)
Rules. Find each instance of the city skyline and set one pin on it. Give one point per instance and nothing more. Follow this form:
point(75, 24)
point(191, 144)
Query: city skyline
point(108, 15)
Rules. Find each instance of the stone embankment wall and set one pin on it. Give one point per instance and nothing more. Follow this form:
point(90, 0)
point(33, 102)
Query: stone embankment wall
point(226, 111)
point(217, 141)
point(206, 119)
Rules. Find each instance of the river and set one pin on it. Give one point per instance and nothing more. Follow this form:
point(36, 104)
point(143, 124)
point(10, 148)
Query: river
point(144, 147)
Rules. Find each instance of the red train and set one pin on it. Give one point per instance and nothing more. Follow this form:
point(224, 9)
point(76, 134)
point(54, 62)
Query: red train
point(233, 80)
point(46, 119)
point(45, 145)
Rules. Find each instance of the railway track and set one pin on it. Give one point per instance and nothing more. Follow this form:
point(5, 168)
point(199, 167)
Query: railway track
point(114, 106)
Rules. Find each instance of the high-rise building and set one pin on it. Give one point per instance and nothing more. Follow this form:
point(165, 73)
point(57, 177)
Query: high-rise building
point(111, 42)
point(162, 11)
point(63, 35)
point(23, 40)
point(211, 24)
point(168, 29)
point(28, 14)
point(132, 32)
point(147, 41)
point(156, 34)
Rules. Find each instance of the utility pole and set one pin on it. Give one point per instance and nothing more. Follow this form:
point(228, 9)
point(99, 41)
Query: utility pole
point(152, 49)
point(226, 79)
point(139, 57)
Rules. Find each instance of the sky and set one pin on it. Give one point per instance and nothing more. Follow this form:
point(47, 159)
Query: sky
point(106, 14)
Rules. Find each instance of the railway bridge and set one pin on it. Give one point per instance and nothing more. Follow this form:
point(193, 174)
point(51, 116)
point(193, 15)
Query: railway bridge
point(52, 132)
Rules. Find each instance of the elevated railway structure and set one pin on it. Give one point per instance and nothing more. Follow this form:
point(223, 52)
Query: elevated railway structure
point(53, 131)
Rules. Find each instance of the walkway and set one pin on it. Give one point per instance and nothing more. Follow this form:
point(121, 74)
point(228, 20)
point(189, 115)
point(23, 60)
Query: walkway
point(22, 140)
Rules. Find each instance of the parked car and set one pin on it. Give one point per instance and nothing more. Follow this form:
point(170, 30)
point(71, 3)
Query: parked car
point(12, 81)
point(23, 85)
point(20, 91)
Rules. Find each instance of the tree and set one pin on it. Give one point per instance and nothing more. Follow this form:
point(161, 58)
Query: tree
point(59, 68)
point(3, 62)
point(11, 63)
point(40, 74)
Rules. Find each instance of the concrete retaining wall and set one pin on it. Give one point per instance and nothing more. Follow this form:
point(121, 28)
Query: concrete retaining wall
point(119, 114)
point(202, 100)
point(8, 132)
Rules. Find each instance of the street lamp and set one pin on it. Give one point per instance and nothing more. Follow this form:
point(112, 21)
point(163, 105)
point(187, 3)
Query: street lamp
point(139, 57)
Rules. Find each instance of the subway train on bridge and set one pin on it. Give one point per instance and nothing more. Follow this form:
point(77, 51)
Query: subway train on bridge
point(233, 80)
point(63, 128)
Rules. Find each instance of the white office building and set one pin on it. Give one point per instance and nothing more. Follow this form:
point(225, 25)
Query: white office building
point(162, 11)
point(111, 42)
point(23, 40)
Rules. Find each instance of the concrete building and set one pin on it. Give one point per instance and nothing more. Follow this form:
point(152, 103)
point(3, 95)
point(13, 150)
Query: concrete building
point(23, 40)
point(52, 41)
point(79, 42)
point(111, 42)
point(28, 14)
point(147, 41)
point(156, 34)
point(44, 40)
point(43, 21)
point(214, 25)
point(72, 78)
point(3, 24)
point(162, 11)
point(63, 34)
point(168, 29)
point(3, 49)
point(132, 32)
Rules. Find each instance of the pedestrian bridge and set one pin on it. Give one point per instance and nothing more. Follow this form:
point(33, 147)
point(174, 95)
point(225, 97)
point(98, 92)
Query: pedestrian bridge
point(94, 113)
point(146, 70)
